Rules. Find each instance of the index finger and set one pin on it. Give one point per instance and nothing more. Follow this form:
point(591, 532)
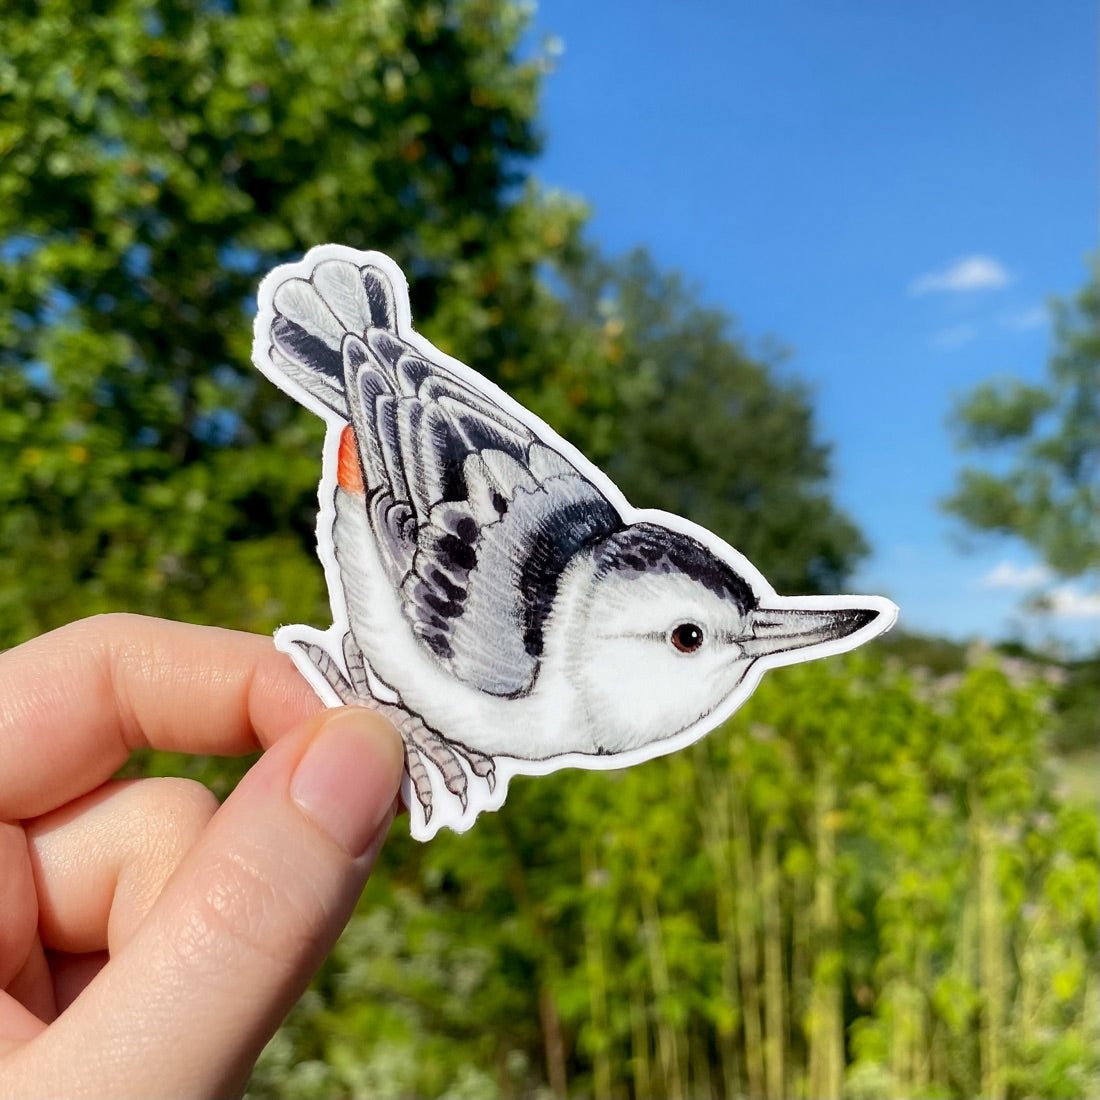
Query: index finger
point(76, 702)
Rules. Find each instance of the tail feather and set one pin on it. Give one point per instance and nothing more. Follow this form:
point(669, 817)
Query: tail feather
point(314, 315)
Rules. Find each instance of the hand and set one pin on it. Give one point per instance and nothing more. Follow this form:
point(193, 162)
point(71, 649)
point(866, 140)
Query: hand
point(150, 941)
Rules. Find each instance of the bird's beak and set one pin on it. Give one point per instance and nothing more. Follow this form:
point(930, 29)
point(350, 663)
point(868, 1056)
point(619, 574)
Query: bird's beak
point(775, 630)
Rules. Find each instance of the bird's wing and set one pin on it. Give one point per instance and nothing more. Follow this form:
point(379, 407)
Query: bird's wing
point(312, 316)
point(474, 515)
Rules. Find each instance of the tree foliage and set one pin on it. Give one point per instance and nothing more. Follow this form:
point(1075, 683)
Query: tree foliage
point(864, 884)
point(864, 881)
point(158, 157)
point(1043, 445)
point(713, 432)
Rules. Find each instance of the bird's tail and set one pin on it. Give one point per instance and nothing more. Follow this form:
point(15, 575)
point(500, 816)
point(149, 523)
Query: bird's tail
point(313, 315)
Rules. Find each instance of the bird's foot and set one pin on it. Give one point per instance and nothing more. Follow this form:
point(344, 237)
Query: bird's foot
point(450, 759)
point(421, 781)
point(424, 742)
point(482, 766)
point(332, 673)
point(354, 690)
point(423, 745)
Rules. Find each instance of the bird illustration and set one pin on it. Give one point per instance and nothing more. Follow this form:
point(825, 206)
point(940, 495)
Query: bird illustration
point(492, 591)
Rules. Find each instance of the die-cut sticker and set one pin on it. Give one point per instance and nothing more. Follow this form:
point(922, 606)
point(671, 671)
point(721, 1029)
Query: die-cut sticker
point(492, 592)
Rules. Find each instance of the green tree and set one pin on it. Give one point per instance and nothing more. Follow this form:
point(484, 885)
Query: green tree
point(1044, 446)
point(156, 157)
point(710, 431)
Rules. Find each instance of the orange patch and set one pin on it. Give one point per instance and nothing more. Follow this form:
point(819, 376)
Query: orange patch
point(349, 471)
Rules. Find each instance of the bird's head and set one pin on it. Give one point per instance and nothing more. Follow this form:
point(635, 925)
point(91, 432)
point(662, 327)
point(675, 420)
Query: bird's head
point(664, 632)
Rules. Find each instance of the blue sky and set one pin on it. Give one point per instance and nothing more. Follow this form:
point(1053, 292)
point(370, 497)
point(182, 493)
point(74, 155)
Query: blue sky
point(891, 190)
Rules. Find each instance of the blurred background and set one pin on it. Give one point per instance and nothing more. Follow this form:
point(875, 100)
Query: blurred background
point(820, 278)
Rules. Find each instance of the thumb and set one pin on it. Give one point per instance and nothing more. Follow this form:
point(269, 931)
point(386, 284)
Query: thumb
point(188, 1004)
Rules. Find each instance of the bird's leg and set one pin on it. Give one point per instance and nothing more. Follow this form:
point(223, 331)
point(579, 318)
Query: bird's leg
point(357, 693)
point(330, 670)
point(408, 725)
point(421, 741)
point(357, 665)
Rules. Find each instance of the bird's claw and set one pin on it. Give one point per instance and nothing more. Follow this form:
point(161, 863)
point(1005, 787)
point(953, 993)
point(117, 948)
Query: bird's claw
point(423, 745)
point(484, 767)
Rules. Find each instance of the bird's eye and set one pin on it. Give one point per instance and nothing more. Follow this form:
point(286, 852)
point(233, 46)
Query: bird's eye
point(687, 637)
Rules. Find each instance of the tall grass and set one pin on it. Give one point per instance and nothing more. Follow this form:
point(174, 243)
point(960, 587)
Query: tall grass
point(863, 886)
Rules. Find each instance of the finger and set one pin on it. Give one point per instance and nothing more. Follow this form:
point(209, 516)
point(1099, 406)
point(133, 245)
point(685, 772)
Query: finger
point(27, 1001)
point(18, 902)
point(46, 986)
point(100, 862)
point(74, 703)
point(187, 1005)
point(24, 978)
point(92, 871)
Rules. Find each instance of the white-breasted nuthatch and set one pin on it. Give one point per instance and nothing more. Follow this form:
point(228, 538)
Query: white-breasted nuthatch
point(492, 591)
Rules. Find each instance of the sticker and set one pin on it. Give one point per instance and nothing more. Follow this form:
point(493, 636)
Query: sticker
point(492, 592)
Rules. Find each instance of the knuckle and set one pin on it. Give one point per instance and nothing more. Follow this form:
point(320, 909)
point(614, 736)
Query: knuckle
point(161, 820)
point(173, 813)
point(97, 633)
point(241, 910)
point(187, 801)
point(106, 621)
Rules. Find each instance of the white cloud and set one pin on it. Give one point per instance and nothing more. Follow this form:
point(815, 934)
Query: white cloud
point(1062, 601)
point(1066, 601)
point(1022, 319)
point(1008, 575)
point(966, 273)
point(954, 337)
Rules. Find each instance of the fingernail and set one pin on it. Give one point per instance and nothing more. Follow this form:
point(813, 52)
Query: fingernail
point(348, 776)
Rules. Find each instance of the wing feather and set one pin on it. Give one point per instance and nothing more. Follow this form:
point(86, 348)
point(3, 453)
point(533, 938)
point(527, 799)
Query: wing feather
point(298, 301)
point(477, 513)
point(341, 287)
point(474, 516)
point(389, 436)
